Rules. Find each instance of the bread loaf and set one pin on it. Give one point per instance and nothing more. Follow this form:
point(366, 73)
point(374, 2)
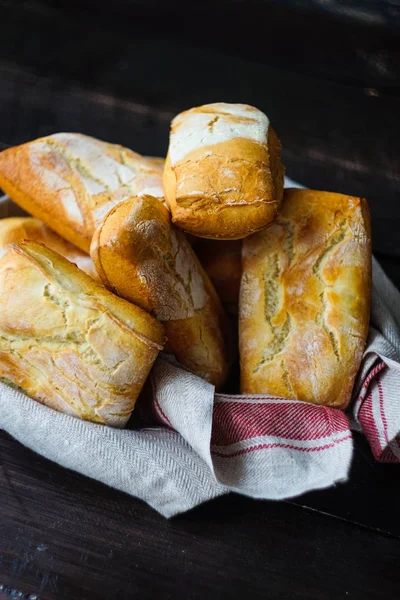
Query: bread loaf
point(69, 343)
point(223, 177)
point(70, 181)
point(17, 229)
point(304, 300)
point(222, 261)
point(142, 257)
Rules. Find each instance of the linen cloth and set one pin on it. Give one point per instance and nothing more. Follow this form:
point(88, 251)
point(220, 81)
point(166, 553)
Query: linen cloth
point(198, 445)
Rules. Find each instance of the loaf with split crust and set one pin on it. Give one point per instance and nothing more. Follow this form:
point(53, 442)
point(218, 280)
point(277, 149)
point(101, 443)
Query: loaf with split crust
point(305, 297)
point(223, 177)
point(69, 343)
point(70, 181)
point(142, 257)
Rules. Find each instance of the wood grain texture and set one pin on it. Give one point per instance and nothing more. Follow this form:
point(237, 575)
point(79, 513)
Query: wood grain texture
point(330, 86)
point(122, 84)
point(342, 40)
point(64, 536)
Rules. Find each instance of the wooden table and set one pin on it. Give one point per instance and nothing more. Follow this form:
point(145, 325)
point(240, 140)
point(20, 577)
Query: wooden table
point(330, 86)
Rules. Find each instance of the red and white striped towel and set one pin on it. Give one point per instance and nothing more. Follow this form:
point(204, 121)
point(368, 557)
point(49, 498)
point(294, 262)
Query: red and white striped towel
point(261, 446)
point(376, 408)
point(202, 444)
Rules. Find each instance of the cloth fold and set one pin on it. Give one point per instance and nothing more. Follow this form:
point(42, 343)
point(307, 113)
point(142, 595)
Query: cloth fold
point(203, 445)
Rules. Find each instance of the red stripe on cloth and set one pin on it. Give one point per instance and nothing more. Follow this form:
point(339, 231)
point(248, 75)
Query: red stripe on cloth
point(160, 414)
point(372, 374)
point(368, 424)
point(279, 445)
point(387, 456)
point(382, 408)
point(366, 413)
point(237, 421)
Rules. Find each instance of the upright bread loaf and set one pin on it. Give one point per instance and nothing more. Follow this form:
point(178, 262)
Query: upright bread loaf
point(68, 342)
point(304, 301)
point(142, 257)
point(70, 181)
point(222, 261)
point(223, 177)
point(17, 229)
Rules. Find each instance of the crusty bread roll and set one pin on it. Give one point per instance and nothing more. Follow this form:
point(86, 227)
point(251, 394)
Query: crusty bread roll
point(68, 342)
point(223, 177)
point(142, 257)
point(222, 261)
point(17, 229)
point(70, 181)
point(304, 300)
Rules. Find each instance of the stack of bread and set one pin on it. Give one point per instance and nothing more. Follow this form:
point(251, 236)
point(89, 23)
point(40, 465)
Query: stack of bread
point(172, 256)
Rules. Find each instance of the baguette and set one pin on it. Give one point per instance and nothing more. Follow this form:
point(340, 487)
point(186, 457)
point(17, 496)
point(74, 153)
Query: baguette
point(17, 229)
point(223, 177)
point(70, 181)
point(142, 257)
point(69, 343)
point(304, 299)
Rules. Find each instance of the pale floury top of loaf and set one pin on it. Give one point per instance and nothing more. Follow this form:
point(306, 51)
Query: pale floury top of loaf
point(71, 181)
point(96, 167)
point(215, 123)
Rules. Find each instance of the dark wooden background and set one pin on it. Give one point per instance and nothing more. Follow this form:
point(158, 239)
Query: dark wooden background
point(328, 76)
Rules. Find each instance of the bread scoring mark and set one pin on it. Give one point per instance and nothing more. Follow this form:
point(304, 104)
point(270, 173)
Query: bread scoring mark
point(336, 239)
point(54, 178)
point(213, 124)
point(90, 158)
point(271, 283)
point(321, 322)
point(63, 304)
point(289, 228)
point(277, 345)
point(103, 169)
point(174, 279)
point(272, 302)
point(286, 380)
point(225, 109)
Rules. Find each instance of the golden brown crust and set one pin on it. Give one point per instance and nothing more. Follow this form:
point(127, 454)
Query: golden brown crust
point(157, 160)
point(222, 261)
point(143, 258)
point(68, 342)
point(229, 188)
point(70, 181)
point(304, 300)
point(17, 229)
